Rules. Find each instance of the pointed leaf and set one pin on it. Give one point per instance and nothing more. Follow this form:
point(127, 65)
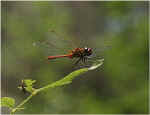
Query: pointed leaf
point(7, 102)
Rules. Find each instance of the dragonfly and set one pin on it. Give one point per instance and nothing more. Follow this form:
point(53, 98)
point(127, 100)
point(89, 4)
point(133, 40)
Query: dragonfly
point(81, 53)
point(51, 43)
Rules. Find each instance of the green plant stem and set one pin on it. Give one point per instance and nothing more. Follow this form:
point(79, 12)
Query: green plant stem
point(21, 104)
point(64, 81)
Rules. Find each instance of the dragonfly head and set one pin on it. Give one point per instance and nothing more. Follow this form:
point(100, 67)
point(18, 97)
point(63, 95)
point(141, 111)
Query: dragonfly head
point(87, 51)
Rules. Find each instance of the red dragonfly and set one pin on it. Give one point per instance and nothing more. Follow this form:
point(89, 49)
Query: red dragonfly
point(54, 42)
point(81, 53)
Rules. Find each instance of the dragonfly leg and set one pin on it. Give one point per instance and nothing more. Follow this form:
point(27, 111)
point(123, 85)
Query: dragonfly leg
point(84, 60)
point(78, 61)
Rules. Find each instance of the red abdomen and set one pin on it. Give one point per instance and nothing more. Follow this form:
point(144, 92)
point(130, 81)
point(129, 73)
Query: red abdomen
point(60, 56)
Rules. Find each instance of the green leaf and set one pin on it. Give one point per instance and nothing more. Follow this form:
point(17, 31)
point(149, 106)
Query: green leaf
point(29, 89)
point(68, 79)
point(29, 85)
point(7, 102)
point(97, 64)
point(29, 82)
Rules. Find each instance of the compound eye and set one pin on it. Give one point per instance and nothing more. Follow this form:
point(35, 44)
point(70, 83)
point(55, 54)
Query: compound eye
point(86, 48)
point(89, 49)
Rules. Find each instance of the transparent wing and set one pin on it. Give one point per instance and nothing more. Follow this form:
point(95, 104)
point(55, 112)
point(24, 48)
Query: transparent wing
point(55, 43)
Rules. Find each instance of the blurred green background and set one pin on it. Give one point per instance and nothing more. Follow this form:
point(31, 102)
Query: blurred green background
point(117, 31)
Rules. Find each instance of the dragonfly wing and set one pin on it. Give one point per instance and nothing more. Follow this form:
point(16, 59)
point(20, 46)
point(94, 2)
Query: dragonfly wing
point(55, 44)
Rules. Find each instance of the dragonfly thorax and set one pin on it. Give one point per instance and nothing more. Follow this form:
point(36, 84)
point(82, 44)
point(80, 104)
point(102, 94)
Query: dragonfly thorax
point(81, 52)
point(87, 51)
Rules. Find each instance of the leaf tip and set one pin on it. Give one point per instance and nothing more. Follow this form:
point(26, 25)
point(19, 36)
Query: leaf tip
point(96, 65)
